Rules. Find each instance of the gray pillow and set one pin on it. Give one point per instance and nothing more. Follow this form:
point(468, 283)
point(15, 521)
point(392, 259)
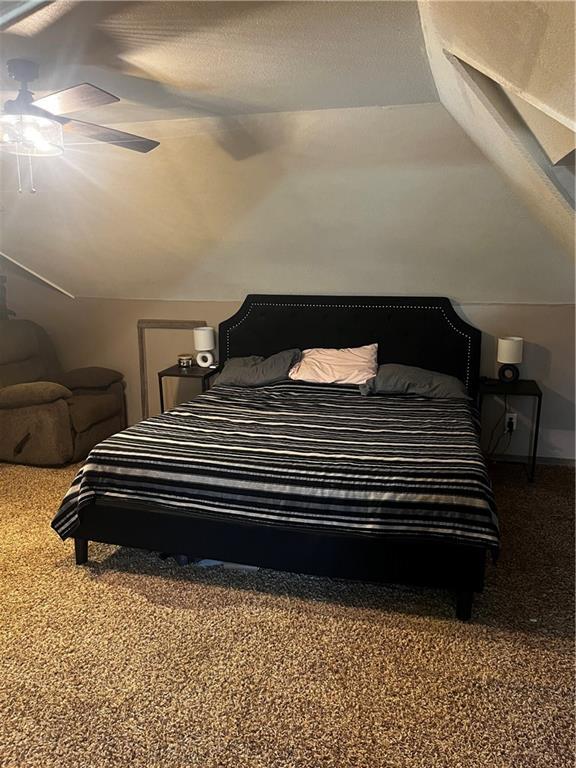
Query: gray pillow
point(396, 379)
point(256, 371)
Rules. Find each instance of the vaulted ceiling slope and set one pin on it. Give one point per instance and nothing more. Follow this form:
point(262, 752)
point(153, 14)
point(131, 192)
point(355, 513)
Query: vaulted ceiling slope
point(483, 52)
point(302, 146)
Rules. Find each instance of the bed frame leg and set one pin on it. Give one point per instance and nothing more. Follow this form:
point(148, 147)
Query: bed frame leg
point(464, 599)
point(81, 551)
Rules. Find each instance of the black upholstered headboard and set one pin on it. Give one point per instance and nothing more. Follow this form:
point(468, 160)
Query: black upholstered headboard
point(423, 331)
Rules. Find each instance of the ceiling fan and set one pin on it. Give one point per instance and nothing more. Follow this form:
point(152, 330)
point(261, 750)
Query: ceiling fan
point(35, 127)
point(56, 106)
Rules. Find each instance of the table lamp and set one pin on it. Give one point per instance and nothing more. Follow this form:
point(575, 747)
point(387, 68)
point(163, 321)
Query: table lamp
point(510, 350)
point(205, 343)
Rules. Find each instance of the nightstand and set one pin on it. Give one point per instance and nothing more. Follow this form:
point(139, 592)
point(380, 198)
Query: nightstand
point(520, 388)
point(184, 372)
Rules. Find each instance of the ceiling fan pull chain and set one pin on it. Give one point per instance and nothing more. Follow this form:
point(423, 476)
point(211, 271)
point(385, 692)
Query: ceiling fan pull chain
point(19, 174)
point(32, 188)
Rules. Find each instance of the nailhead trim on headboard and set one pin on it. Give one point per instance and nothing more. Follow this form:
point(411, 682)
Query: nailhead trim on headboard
point(360, 306)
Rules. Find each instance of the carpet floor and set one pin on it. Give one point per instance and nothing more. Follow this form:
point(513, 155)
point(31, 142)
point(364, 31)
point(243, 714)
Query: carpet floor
point(134, 661)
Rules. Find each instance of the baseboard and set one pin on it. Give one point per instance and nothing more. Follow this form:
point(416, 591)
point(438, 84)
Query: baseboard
point(505, 458)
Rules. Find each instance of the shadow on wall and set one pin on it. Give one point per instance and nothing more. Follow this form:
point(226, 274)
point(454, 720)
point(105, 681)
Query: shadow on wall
point(560, 416)
point(559, 411)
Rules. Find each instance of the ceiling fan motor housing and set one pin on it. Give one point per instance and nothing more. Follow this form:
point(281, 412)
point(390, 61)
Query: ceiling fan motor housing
point(22, 70)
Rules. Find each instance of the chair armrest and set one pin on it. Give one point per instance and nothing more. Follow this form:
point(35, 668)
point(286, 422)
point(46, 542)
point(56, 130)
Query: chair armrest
point(90, 378)
point(33, 393)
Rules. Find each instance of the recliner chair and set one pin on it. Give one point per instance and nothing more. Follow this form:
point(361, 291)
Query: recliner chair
point(48, 417)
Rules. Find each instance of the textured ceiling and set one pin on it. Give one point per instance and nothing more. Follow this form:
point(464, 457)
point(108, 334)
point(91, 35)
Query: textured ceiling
point(194, 58)
point(29, 17)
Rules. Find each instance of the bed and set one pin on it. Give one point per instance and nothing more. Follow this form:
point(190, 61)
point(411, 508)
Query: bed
point(306, 477)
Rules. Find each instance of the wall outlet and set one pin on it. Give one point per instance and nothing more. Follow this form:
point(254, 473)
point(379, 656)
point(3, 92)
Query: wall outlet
point(510, 422)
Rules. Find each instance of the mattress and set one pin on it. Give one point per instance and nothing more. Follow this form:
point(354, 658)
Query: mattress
point(305, 456)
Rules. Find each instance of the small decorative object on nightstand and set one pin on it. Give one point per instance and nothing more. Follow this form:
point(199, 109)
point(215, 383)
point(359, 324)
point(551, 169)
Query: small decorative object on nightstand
point(184, 372)
point(510, 354)
point(205, 343)
point(185, 361)
point(522, 388)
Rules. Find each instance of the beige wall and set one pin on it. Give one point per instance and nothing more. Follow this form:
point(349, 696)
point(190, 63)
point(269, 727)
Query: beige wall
point(103, 332)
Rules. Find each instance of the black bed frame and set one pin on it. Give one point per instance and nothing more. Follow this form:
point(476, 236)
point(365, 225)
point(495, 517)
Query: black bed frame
point(422, 331)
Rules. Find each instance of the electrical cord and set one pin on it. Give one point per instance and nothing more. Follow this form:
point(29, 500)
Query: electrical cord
point(490, 450)
point(507, 433)
point(508, 443)
point(502, 436)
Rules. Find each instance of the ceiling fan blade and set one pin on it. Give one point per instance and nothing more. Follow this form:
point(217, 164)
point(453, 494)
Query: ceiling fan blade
point(109, 135)
point(83, 96)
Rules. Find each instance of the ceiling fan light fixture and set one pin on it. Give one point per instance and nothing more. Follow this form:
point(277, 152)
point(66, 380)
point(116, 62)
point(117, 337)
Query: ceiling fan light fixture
point(31, 136)
point(33, 127)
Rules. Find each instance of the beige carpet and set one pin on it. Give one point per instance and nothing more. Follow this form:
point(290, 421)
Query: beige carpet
point(132, 661)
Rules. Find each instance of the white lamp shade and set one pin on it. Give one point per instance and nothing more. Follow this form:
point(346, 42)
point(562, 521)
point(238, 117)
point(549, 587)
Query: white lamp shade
point(510, 349)
point(204, 339)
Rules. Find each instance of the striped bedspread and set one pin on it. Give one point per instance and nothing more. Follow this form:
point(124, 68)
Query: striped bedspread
point(301, 455)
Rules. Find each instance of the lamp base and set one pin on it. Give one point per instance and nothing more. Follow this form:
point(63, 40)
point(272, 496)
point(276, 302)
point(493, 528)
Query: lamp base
point(205, 359)
point(508, 373)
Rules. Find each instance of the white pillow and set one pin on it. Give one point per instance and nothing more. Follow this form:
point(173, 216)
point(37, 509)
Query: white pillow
point(337, 366)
